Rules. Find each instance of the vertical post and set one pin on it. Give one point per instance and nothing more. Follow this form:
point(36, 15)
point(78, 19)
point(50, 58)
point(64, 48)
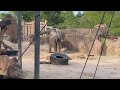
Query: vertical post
point(45, 30)
point(0, 35)
point(30, 30)
point(0, 45)
point(37, 44)
point(27, 31)
point(19, 17)
point(24, 31)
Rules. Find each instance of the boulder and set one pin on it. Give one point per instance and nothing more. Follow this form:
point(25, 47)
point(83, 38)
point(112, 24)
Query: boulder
point(10, 67)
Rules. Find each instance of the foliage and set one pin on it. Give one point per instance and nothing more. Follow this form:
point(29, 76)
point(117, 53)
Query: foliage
point(2, 15)
point(53, 17)
point(67, 19)
point(28, 16)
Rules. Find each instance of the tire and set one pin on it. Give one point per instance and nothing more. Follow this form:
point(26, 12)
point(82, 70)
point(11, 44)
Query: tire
point(59, 59)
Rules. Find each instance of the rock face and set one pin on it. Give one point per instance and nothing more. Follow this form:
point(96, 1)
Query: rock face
point(10, 67)
point(11, 29)
point(81, 40)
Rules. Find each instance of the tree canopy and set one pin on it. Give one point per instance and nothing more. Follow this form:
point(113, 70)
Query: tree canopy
point(66, 19)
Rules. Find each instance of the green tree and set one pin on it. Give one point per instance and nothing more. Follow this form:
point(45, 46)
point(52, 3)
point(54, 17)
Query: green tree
point(69, 20)
point(53, 17)
point(90, 19)
point(26, 15)
point(42, 16)
point(2, 15)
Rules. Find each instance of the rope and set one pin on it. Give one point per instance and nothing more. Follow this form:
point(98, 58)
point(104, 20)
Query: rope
point(103, 45)
point(93, 43)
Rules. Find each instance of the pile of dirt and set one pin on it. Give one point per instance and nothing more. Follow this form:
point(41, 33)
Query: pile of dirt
point(81, 40)
point(77, 40)
point(74, 37)
point(113, 47)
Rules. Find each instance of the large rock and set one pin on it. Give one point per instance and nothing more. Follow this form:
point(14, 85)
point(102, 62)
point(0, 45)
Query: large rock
point(12, 29)
point(10, 67)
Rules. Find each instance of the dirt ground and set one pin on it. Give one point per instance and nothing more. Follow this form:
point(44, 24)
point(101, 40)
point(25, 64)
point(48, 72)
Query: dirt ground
point(109, 66)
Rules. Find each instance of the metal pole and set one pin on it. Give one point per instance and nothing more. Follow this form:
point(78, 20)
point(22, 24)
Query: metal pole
point(19, 17)
point(37, 44)
point(0, 41)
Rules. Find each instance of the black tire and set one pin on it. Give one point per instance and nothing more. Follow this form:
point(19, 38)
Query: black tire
point(59, 59)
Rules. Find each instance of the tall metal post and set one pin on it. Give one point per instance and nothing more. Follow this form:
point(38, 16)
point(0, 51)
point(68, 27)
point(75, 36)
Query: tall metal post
point(19, 17)
point(37, 44)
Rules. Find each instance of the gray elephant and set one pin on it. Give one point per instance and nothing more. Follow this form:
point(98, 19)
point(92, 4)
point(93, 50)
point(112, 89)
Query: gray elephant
point(55, 39)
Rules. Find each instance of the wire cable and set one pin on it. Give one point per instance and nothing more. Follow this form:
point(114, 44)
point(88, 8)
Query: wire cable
point(103, 45)
point(92, 44)
point(33, 40)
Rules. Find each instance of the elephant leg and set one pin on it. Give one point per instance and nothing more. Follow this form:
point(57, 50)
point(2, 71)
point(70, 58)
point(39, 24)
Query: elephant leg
point(104, 50)
point(50, 46)
point(0, 44)
point(55, 47)
point(59, 48)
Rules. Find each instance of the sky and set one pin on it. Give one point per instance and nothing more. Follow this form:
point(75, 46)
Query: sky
point(4, 11)
point(76, 12)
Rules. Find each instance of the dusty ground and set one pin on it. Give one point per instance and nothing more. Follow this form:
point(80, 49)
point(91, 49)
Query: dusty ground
point(109, 67)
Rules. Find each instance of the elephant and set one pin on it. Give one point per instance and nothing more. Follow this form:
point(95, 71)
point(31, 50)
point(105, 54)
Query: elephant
point(54, 40)
point(100, 47)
